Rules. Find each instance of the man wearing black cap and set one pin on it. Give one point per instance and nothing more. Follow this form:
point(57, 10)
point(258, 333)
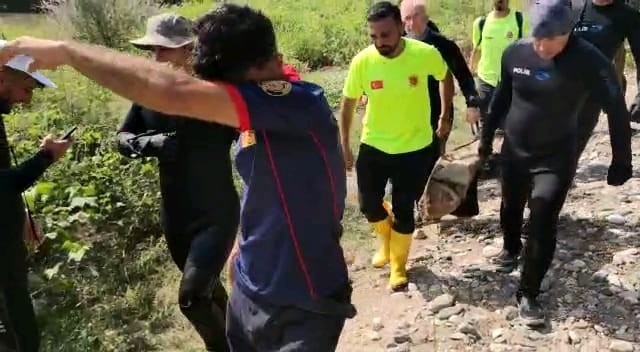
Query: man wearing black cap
point(18, 327)
point(200, 206)
point(606, 24)
point(545, 80)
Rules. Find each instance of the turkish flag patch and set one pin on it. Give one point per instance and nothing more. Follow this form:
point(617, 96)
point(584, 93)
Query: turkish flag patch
point(377, 84)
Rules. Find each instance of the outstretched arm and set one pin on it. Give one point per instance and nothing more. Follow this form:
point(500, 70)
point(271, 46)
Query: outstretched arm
point(175, 92)
point(157, 87)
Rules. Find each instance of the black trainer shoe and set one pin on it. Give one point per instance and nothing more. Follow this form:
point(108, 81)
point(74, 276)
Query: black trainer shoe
point(505, 261)
point(531, 312)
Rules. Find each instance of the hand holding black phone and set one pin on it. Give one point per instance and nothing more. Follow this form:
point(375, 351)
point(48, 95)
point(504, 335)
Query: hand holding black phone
point(69, 133)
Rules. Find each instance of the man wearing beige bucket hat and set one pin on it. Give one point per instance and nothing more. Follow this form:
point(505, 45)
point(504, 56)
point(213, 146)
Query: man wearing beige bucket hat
point(199, 231)
point(167, 30)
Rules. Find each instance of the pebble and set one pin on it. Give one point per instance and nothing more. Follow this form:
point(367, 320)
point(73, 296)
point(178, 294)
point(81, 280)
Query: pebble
point(376, 324)
point(581, 324)
point(455, 319)
point(510, 313)
point(439, 303)
point(576, 265)
point(600, 276)
point(630, 297)
point(401, 337)
point(420, 235)
point(496, 333)
point(468, 328)
point(616, 219)
point(614, 280)
point(398, 348)
point(620, 346)
point(457, 336)
point(446, 313)
point(374, 336)
point(574, 337)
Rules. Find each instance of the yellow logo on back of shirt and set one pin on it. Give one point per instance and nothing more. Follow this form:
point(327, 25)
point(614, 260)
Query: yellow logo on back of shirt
point(276, 88)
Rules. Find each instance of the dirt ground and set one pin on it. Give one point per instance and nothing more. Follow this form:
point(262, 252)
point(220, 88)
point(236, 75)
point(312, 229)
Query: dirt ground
point(457, 302)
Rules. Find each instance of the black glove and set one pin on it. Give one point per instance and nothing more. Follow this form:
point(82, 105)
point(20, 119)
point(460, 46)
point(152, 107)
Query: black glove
point(166, 145)
point(162, 145)
point(619, 174)
point(634, 109)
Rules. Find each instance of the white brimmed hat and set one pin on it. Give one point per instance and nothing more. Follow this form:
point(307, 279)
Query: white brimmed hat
point(21, 63)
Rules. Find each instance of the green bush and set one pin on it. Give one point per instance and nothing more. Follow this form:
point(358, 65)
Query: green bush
point(321, 33)
point(315, 33)
point(104, 22)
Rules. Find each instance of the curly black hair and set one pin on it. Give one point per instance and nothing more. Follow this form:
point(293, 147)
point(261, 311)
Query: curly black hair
point(384, 9)
point(231, 39)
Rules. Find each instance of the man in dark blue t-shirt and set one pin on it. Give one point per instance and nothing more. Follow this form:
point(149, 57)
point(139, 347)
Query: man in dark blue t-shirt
point(292, 289)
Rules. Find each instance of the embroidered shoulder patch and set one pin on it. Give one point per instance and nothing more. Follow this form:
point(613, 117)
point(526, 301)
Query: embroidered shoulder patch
point(276, 88)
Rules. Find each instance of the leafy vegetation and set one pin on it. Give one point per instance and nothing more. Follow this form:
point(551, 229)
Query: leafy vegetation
point(103, 280)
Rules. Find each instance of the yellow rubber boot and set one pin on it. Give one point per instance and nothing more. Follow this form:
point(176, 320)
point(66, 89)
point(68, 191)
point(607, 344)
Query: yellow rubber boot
point(399, 247)
point(382, 229)
point(387, 207)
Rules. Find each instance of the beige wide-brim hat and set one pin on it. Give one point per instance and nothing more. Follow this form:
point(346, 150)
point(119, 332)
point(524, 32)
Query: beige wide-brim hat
point(167, 30)
point(21, 63)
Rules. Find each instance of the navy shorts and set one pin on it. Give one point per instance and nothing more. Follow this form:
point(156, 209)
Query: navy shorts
point(254, 327)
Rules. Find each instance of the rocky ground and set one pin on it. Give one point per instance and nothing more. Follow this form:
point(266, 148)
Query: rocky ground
point(457, 302)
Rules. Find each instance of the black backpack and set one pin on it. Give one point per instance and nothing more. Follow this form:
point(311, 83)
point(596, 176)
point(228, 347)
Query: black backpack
point(519, 21)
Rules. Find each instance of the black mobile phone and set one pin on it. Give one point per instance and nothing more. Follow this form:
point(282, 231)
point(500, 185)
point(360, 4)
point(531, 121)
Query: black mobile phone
point(69, 132)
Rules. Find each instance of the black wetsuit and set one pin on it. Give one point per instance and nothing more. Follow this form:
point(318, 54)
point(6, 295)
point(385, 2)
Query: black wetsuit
point(458, 66)
point(606, 27)
point(18, 326)
point(200, 207)
point(539, 101)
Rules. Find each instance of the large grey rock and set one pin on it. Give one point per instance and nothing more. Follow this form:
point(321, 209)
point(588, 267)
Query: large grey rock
point(439, 303)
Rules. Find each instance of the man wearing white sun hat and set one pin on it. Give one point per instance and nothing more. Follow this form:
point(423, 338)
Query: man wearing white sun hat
point(18, 327)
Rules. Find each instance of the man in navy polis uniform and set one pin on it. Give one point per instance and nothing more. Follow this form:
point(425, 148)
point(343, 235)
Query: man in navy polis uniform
point(292, 291)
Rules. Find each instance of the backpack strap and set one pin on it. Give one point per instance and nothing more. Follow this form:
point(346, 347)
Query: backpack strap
point(519, 21)
point(483, 19)
point(582, 13)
